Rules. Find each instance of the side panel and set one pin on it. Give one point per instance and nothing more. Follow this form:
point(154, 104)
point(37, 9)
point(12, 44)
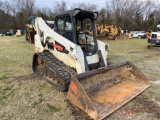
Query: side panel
point(37, 45)
point(104, 50)
point(93, 59)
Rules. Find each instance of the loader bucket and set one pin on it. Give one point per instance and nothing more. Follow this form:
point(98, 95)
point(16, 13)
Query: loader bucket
point(100, 92)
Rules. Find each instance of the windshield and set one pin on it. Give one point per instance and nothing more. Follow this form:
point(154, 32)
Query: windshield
point(64, 27)
point(85, 34)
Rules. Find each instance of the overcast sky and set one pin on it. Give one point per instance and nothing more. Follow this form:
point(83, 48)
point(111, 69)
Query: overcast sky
point(50, 3)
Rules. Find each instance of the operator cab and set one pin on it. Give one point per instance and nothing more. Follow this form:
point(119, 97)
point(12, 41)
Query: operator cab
point(85, 29)
point(78, 26)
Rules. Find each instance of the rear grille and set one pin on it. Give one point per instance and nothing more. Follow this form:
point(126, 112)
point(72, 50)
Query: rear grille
point(154, 36)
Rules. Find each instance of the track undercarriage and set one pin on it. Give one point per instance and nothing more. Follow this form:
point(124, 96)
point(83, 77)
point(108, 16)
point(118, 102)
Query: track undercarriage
point(46, 66)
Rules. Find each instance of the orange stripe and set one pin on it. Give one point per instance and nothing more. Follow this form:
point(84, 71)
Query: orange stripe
point(74, 89)
point(58, 47)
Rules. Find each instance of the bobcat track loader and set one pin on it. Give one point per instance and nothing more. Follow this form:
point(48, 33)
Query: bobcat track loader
point(73, 61)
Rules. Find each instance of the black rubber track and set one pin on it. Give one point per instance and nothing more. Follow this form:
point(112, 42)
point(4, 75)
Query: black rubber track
point(55, 72)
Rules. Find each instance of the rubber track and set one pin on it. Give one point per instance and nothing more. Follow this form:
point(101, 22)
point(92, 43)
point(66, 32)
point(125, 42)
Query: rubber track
point(57, 73)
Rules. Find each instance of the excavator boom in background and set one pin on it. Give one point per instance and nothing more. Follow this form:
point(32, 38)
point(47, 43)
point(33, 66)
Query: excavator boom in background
point(72, 60)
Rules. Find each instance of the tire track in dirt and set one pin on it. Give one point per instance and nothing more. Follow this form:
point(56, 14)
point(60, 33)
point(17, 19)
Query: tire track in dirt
point(25, 77)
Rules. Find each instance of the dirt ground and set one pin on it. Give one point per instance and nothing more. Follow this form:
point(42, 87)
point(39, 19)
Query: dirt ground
point(23, 96)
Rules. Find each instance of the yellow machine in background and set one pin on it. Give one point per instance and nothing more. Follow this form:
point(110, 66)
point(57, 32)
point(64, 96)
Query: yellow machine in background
point(105, 32)
point(88, 29)
point(30, 32)
point(31, 29)
point(109, 31)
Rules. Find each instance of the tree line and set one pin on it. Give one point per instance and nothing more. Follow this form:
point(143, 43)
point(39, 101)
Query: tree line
point(130, 15)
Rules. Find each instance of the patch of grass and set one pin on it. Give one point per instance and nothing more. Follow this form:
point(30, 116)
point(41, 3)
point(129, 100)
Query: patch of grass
point(6, 94)
point(25, 97)
point(10, 94)
point(16, 51)
point(52, 108)
point(153, 92)
point(123, 50)
point(5, 79)
point(136, 51)
point(35, 104)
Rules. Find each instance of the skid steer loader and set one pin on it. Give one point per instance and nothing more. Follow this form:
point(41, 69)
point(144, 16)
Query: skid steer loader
point(71, 60)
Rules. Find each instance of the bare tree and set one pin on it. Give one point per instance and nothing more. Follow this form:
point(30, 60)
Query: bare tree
point(130, 14)
point(45, 13)
point(29, 6)
point(60, 6)
point(85, 6)
point(26, 8)
point(5, 15)
point(1, 16)
point(1, 4)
